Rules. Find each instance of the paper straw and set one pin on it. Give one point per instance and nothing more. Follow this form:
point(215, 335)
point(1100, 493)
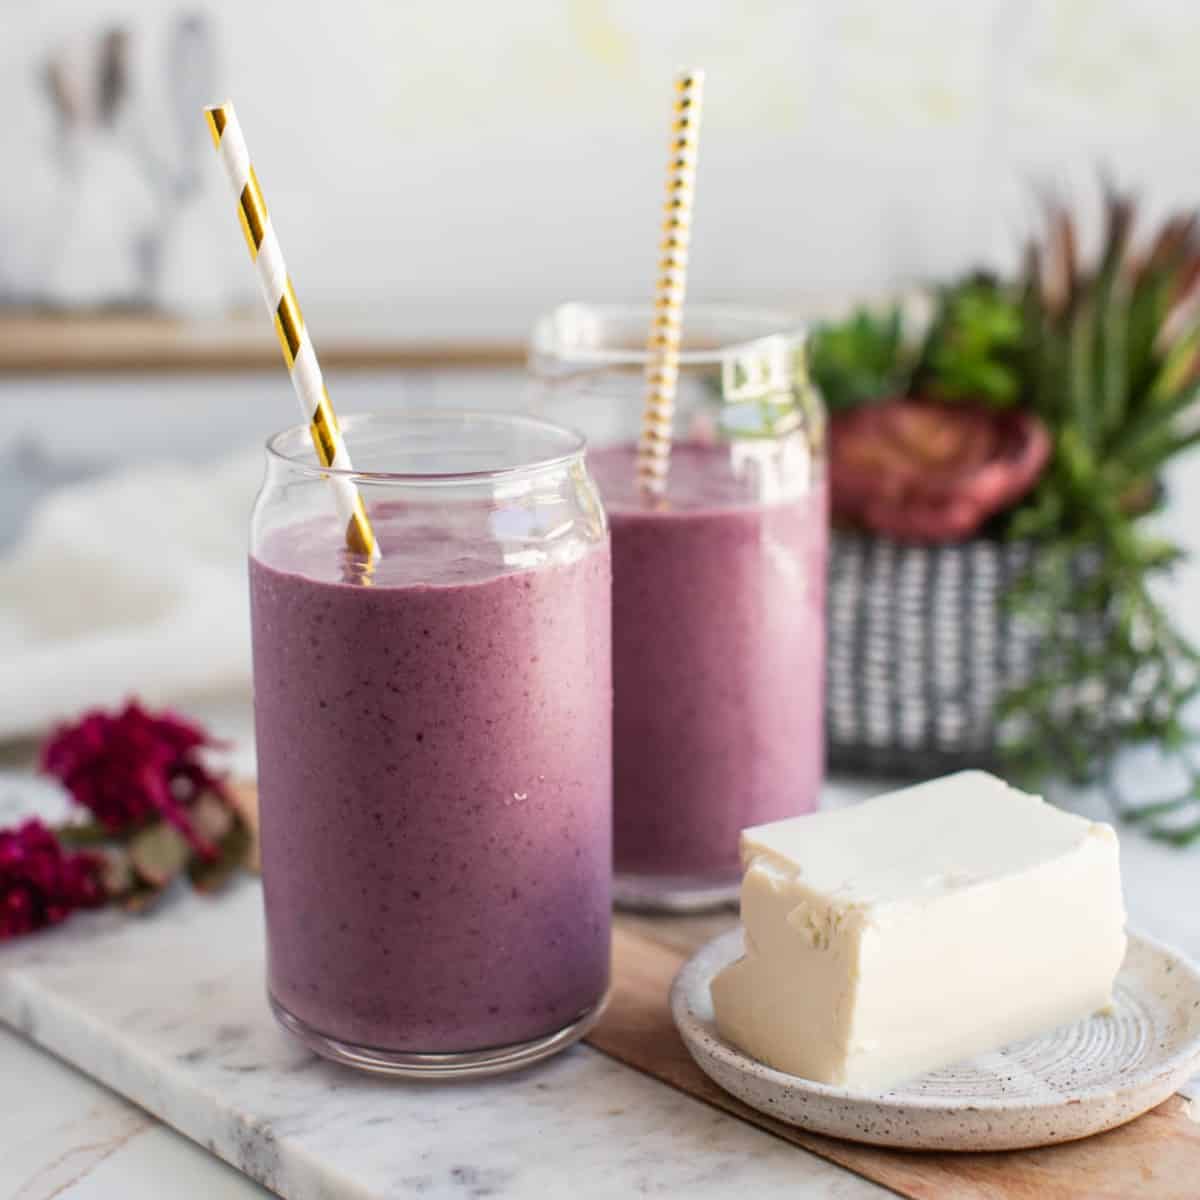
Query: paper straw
point(662, 366)
point(284, 308)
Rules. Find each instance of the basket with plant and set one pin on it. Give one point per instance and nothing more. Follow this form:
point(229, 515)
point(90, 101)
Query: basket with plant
point(995, 577)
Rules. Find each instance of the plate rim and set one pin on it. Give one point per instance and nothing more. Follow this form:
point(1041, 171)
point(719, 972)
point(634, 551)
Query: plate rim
point(695, 971)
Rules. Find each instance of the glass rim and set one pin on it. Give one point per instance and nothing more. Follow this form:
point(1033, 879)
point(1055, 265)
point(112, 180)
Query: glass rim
point(775, 323)
point(574, 445)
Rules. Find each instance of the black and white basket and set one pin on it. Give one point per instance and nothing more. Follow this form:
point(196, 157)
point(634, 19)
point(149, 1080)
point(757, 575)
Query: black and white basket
point(921, 648)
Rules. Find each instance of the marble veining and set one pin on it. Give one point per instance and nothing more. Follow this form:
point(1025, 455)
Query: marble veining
point(169, 1010)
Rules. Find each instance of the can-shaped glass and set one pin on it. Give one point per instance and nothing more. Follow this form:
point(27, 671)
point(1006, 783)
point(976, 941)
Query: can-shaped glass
point(434, 743)
point(718, 586)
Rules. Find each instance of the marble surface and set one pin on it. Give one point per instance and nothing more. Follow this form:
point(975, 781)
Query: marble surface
point(66, 1137)
point(170, 1012)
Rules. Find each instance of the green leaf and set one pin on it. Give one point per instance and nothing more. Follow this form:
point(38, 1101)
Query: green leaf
point(1081, 385)
point(1146, 311)
point(210, 875)
point(159, 854)
point(1180, 838)
point(860, 359)
point(1177, 373)
point(1111, 371)
point(83, 833)
point(1112, 315)
point(1150, 454)
point(1139, 813)
point(1154, 553)
point(1076, 457)
point(973, 347)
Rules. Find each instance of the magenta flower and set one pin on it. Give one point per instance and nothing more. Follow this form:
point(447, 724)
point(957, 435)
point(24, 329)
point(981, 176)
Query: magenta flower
point(40, 883)
point(133, 767)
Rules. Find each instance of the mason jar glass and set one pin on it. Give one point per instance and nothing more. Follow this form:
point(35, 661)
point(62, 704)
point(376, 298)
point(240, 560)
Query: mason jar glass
point(434, 743)
point(718, 589)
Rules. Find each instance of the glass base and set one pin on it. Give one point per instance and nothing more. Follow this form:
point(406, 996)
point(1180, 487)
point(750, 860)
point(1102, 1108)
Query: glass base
point(495, 1060)
point(674, 893)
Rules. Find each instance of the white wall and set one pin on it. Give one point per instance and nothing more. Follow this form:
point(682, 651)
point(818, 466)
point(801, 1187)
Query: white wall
point(506, 154)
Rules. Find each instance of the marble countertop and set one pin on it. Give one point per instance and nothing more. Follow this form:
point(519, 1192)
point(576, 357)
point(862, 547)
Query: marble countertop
point(69, 1137)
point(197, 1044)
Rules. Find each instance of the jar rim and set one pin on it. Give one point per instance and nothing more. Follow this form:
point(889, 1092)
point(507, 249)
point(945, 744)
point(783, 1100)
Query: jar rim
point(769, 323)
point(293, 446)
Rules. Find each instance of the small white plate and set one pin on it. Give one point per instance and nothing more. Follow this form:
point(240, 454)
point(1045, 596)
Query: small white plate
point(1078, 1080)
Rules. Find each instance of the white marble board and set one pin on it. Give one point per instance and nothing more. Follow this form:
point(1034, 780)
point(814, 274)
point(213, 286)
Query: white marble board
point(170, 1011)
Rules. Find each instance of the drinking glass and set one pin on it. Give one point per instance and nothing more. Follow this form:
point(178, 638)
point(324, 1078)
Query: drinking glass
point(435, 743)
point(718, 588)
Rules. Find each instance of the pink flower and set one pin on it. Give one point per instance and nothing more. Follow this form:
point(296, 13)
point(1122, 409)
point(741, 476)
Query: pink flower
point(41, 884)
point(135, 766)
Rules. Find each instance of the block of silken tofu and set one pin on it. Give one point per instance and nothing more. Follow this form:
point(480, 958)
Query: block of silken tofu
point(918, 929)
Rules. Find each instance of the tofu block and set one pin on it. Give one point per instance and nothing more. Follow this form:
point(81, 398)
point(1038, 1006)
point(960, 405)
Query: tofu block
point(918, 929)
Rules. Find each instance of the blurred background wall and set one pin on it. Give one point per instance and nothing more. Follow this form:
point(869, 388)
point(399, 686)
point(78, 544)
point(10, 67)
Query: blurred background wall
point(458, 165)
point(439, 172)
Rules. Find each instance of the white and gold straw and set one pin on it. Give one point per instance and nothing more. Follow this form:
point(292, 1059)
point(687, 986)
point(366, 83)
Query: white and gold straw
point(662, 365)
point(297, 347)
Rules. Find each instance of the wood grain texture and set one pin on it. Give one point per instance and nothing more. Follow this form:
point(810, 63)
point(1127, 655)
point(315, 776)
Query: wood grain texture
point(33, 343)
point(1156, 1157)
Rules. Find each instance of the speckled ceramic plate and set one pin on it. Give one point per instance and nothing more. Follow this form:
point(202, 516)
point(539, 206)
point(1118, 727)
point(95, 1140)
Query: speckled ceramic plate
point(1078, 1080)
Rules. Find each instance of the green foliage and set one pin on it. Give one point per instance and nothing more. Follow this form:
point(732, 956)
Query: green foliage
point(1108, 357)
point(860, 359)
point(1110, 364)
point(973, 348)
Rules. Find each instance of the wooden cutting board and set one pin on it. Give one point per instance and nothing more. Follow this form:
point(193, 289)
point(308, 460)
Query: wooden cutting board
point(1156, 1157)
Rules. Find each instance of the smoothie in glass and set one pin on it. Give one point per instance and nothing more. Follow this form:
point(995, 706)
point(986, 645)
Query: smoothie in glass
point(718, 587)
point(718, 614)
point(434, 742)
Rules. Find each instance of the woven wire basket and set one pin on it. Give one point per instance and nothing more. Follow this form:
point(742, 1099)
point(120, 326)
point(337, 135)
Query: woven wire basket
point(921, 649)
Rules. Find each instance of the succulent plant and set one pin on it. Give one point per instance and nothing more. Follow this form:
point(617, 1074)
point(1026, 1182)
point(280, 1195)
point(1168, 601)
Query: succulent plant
point(973, 348)
point(861, 359)
point(1105, 355)
point(1111, 362)
point(919, 470)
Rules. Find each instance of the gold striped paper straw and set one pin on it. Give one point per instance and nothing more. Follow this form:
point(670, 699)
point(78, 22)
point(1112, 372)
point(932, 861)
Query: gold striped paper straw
point(284, 308)
point(662, 365)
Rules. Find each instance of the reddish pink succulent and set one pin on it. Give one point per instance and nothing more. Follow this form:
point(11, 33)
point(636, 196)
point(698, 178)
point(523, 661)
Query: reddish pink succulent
point(917, 470)
point(132, 767)
point(40, 883)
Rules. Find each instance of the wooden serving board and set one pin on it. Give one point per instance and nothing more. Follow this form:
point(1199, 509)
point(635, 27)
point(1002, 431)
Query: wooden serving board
point(1156, 1157)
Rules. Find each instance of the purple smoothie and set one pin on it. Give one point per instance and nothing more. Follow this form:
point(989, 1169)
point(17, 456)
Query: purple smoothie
point(435, 785)
point(718, 661)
